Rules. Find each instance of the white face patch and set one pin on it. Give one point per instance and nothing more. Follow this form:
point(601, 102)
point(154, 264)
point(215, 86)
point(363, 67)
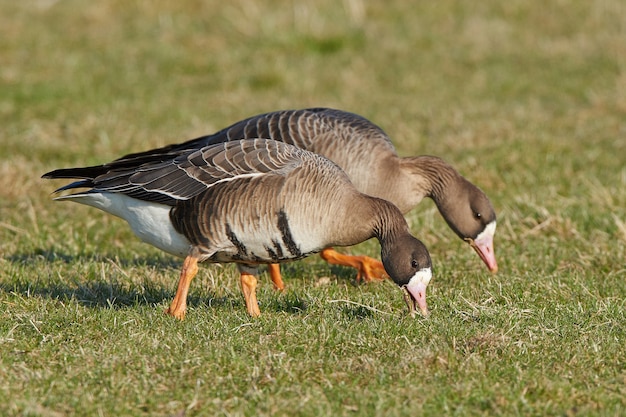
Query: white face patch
point(487, 234)
point(421, 278)
point(417, 290)
point(483, 245)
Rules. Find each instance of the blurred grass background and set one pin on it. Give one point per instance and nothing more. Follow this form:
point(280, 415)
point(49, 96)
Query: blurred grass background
point(526, 98)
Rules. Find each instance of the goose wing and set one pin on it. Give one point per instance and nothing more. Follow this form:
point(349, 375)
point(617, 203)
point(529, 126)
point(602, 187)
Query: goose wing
point(302, 128)
point(313, 129)
point(191, 173)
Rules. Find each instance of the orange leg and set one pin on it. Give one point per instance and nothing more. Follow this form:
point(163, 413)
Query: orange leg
point(368, 269)
point(277, 280)
point(178, 308)
point(248, 286)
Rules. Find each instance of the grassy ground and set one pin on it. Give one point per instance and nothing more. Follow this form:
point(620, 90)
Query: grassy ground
point(526, 98)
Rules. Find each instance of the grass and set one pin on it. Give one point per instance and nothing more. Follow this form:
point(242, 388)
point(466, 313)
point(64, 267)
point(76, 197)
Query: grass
point(526, 99)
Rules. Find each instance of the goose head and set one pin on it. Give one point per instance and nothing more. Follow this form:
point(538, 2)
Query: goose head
point(468, 212)
point(408, 264)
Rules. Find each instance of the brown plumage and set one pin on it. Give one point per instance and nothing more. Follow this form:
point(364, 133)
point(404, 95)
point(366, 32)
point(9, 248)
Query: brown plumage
point(250, 202)
point(365, 152)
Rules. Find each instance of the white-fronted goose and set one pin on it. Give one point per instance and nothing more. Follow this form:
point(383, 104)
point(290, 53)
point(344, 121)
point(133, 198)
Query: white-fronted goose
point(250, 202)
point(365, 152)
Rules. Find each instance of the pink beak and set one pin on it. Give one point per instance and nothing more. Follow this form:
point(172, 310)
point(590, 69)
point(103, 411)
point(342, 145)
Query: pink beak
point(413, 303)
point(483, 245)
point(415, 292)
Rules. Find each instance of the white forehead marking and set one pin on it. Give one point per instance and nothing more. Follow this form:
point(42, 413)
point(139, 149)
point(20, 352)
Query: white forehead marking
point(423, 276)
point(490, 231)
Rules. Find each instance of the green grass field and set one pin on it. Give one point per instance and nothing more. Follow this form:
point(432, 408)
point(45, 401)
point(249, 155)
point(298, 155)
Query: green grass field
point(526, 98)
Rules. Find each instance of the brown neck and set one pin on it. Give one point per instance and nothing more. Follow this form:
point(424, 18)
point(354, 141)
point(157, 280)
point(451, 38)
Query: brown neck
point(432, 175)
point(389, 222)
point(368, 217)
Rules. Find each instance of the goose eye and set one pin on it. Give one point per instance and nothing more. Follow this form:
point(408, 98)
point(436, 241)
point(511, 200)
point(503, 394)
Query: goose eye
point(414, 264)
point(477, 215)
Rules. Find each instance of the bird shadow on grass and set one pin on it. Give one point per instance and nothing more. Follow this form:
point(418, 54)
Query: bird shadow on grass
point(118, 290)
point(290, 302)
point(50, 256)
point(89, 287)
point(295, 300)
point(301, 271)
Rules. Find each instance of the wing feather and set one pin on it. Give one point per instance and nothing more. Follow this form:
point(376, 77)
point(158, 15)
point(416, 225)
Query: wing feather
point(296, 127)
point(190, 174)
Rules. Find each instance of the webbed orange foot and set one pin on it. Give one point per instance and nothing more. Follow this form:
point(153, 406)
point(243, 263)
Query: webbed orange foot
point(368, 269)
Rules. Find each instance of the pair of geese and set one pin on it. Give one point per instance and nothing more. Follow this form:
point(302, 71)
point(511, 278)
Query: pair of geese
point(281, 186)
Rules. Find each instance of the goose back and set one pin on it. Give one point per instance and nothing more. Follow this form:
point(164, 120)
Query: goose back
point(251, 201)
point(362, 149)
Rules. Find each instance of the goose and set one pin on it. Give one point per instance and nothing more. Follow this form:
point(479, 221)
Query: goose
point(250, 202)
point(365, 152)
